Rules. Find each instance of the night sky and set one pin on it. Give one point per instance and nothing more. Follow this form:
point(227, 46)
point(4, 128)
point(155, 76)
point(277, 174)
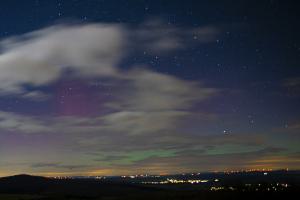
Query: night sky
point(134, 86)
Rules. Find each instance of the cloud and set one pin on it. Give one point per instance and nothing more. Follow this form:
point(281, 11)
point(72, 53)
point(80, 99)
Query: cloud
point(36, 95)
point(200, 162)
point(94, 50)
point(21, 123)
point(125, 133)
point(39, 58)
point(157, 91)
point(292, 82)
point(143, 102)
point(110, 158)
point(292, 86)
point(156, 104)
point(291, 129)
point(150, 102)
point(57, 166)
point(146, 102)
point(146, 110)
point(156, 36)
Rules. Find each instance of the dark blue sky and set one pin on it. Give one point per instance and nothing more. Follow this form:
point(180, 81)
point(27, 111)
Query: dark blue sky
point(213, 70)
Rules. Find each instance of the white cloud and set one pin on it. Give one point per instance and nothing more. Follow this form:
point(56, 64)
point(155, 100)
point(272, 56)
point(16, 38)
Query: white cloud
point(149, 102)
point(158, 92)
point(36, 95)
point(86, 50)
point(40, 57)
point(147, 108)
point(22, 124)
point(146, 102)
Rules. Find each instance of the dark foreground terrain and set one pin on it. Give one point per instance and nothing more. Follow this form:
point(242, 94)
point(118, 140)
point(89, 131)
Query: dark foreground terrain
point(215, 186)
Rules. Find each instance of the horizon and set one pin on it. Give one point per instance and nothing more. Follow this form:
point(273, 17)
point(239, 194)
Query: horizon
point(46, 175)
point(128, 87)
point(171, 174)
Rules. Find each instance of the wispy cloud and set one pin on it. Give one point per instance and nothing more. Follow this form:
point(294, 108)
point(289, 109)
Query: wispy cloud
point(57, 166)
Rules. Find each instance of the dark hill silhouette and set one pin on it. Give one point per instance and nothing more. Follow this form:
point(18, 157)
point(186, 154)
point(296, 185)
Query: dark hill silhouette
point(23, 177)
point(23, 184)
point(92, 189)
point(26, 184)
